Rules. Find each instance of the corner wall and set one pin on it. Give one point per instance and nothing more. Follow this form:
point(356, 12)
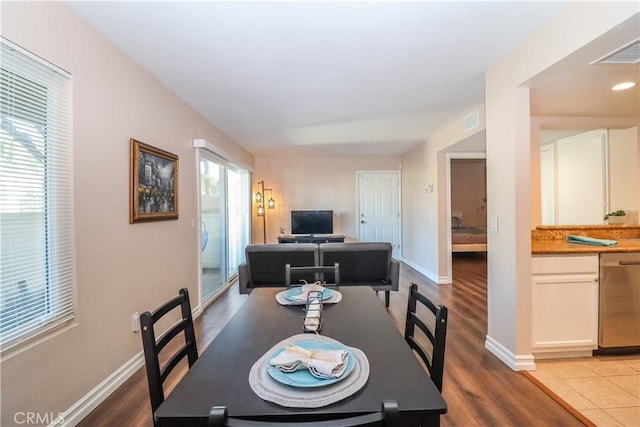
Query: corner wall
point(508, 167)
point(424, 200)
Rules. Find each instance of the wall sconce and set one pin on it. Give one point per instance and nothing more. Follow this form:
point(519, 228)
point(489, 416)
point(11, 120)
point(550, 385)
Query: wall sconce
point(271, 204)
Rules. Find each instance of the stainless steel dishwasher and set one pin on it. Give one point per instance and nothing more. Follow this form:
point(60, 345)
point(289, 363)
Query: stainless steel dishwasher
point(619, 300)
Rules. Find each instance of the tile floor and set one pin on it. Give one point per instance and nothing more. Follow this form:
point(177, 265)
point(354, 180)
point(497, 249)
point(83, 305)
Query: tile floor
point(605, 389)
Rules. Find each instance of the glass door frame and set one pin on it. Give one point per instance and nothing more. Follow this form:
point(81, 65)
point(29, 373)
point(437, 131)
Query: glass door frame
point(209, 152)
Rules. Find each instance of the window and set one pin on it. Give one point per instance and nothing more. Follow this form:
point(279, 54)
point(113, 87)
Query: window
point(36, 196)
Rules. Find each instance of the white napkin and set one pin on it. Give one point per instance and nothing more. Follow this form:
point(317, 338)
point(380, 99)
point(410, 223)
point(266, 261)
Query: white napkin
point(321, 363)
point(304, 291)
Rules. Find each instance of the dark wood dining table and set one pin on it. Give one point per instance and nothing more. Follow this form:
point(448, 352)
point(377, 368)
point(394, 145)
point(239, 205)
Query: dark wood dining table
point(221, 374)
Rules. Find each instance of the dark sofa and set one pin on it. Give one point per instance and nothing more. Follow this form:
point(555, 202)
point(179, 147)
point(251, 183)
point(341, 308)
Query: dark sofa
point(360, 264)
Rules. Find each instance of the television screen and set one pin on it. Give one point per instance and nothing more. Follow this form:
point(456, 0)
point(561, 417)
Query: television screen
point(311, 222)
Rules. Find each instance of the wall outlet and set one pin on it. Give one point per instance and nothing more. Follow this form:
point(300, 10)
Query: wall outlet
point(135, 322)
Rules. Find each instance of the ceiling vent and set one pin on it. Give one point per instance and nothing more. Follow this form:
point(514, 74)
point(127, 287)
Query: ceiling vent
point(628, 54)
point(472, 121)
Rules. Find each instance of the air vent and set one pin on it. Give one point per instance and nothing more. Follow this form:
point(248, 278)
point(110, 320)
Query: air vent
point(628, 54)
point(471, 121)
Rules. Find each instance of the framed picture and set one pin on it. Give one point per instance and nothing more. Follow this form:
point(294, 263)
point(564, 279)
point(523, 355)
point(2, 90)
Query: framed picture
point(153, 183)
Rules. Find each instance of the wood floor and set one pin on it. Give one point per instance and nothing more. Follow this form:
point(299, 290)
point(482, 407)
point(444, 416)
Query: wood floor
point(479, 389)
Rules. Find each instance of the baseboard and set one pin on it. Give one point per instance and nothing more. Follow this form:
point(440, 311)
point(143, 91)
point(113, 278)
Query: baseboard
point(513, 361)
point(95, 397)
point(102, 391)
point(440, 280)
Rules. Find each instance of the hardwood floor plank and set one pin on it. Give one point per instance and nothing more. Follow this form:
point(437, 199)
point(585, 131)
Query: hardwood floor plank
point(479, 389)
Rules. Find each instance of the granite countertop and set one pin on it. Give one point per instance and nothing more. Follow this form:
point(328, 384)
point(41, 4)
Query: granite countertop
point(552, 239)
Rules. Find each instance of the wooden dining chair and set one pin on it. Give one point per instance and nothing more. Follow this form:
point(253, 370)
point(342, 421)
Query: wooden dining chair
point(157, 373)
point(388, 416)
point(319, 272)
point(437, 335)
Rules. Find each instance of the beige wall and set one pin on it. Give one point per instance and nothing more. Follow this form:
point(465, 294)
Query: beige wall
point(508, 167)
point(121, 268)
point(469, 191)
point(424, 225)
point(623, 172)
point(300, 183)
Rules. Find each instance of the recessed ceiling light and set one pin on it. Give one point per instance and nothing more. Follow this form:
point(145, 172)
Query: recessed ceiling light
point(623, 86)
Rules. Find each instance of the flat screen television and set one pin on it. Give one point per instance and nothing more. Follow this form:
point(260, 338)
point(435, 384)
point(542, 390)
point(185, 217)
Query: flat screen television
point(311, 222)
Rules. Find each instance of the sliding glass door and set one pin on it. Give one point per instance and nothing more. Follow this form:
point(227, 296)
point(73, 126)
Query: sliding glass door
point(224, 221)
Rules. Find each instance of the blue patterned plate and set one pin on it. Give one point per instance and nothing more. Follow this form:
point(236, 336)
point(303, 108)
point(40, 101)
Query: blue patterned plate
point(303, 377)
point(291, 293)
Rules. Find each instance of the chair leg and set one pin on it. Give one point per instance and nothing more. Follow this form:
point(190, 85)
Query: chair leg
point(387, 296)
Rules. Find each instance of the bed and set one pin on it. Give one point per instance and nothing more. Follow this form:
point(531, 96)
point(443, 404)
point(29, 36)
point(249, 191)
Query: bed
point(467, 239)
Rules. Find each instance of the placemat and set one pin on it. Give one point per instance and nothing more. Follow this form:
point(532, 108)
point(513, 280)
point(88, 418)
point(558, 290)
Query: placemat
point(292, 397)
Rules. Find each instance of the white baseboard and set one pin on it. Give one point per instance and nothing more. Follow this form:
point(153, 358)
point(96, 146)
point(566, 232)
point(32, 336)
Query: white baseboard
point(102, 391)
point(513, 361)
point(440, 280)
point(95, 397)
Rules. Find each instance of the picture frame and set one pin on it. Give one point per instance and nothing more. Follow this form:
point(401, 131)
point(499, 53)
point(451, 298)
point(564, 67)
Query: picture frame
point(153, 183)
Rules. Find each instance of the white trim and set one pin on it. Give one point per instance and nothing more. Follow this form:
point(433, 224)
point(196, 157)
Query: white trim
point(100, 393)
point(439, 280)
point(203, 143)
point(90, 401)
point(516, 362)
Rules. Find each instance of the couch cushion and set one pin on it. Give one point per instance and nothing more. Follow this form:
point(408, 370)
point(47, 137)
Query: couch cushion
point(266, 263)
point(361, 263)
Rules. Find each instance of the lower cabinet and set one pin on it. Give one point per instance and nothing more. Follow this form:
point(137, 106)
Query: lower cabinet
point(564, 305)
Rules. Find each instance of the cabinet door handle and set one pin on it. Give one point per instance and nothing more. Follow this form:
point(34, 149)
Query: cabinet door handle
point(629, 262)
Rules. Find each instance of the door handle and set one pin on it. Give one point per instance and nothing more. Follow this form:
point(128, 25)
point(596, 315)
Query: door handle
point(362, 221)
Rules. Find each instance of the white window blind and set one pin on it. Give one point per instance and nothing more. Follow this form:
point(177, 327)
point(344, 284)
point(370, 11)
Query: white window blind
point(36, 196)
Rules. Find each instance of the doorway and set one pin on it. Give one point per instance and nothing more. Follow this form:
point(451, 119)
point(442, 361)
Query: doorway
point(466, 181)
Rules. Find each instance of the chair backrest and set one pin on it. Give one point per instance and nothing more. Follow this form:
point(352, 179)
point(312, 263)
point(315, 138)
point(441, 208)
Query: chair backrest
point(437, 334)
point(387, 417)
point(319, 271)
point(157, 374)
point(360, 262)
point(266, 263)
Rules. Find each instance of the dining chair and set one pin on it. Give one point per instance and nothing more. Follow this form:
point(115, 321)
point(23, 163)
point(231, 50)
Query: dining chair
point(437, 334)
point(388, 416)
point(157, 373)
point(319, 272)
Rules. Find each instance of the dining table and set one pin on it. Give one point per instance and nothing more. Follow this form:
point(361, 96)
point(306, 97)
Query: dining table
point(221, 375)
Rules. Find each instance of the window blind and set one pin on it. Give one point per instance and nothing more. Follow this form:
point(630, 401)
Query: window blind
point(36, 196)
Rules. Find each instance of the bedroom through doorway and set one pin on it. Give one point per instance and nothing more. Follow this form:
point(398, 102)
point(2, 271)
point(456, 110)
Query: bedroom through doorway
point(467, 219)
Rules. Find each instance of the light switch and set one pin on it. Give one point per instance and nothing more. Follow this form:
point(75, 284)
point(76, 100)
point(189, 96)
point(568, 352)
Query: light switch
point(494, 224)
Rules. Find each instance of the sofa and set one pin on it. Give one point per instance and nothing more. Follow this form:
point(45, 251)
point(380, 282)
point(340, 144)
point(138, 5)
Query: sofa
point(360, 264)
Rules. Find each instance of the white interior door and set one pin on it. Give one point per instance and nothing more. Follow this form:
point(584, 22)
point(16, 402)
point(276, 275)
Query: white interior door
point(379, 208)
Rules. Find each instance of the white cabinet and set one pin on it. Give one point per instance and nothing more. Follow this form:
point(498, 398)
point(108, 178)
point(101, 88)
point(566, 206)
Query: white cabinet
point(564, 305)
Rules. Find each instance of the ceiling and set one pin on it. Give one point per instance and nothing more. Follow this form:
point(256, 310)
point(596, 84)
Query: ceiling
point(327, 78)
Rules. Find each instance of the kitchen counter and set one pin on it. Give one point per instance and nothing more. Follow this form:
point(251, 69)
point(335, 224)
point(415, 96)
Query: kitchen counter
point(552, 239)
